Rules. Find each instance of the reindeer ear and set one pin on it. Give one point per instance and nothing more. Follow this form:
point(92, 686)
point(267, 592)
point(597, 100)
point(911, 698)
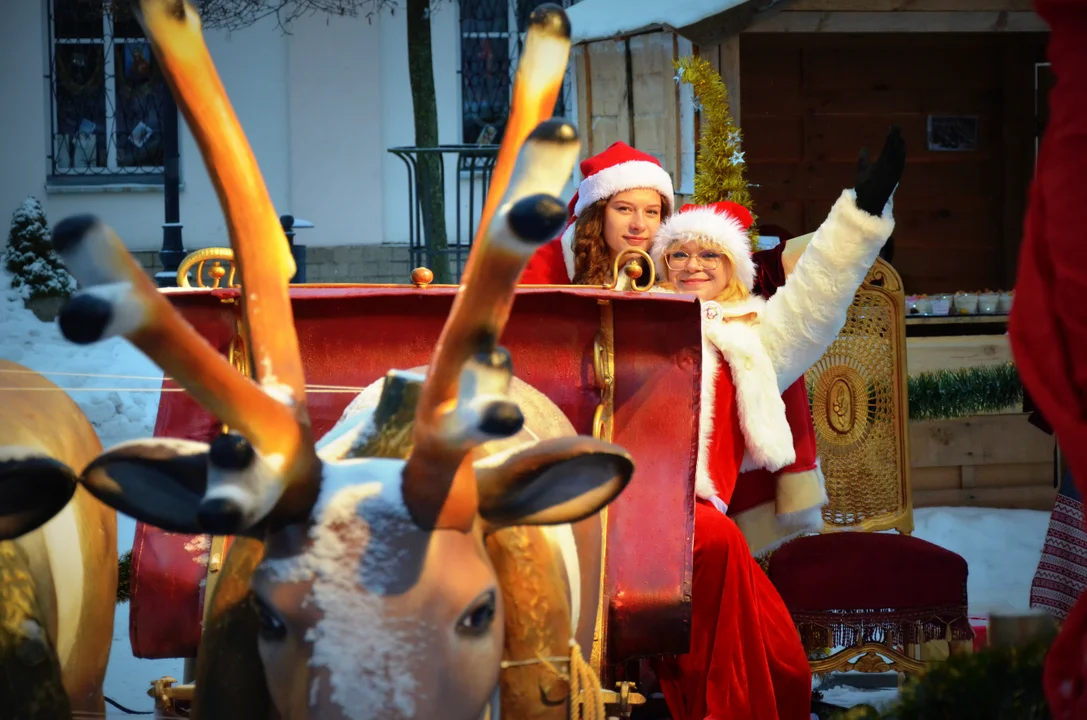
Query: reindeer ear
point(158, 481)
point(33, 488)
point(551, 482)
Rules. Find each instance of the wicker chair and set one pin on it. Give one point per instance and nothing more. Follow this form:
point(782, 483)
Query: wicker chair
point(882, 596)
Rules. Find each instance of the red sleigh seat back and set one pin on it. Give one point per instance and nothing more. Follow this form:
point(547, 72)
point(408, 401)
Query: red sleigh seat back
point(351, 336)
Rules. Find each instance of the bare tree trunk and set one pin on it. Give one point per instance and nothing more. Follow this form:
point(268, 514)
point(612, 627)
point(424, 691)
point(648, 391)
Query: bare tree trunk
point(429, 190)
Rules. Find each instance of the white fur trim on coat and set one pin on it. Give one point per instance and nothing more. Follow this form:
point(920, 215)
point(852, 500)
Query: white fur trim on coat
point(568, 248)
point(629, 175)
point(712, 229)
point(805, 315)
point(767, 435)
point(704, 486)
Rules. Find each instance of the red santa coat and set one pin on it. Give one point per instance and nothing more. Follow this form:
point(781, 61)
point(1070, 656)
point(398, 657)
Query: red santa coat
point(552, 264)
point(1048, 324)
point(772, 508)
point(767, 345)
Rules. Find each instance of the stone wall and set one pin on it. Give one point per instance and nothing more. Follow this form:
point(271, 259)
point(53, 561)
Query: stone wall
point(343, 264)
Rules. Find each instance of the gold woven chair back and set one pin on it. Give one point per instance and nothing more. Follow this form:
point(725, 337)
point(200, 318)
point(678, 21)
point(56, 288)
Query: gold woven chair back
point(859, 399)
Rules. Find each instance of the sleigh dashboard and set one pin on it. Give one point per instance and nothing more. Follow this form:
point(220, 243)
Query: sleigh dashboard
point(623, 366)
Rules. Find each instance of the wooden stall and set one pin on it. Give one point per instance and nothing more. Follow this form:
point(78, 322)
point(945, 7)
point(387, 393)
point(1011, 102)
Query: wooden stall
point(811, 81)
point(996, 459)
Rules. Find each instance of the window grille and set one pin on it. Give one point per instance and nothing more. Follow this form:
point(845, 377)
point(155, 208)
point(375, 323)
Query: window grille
point(108, 94)
point(491, 40)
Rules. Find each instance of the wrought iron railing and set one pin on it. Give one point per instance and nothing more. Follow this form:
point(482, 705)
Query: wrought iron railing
point(433, 240)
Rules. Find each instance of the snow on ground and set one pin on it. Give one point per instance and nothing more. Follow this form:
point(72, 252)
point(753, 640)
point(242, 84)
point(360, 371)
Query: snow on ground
point(118, 388)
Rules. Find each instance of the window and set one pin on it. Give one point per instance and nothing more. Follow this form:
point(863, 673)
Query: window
point(491, 38)
point(108, 94)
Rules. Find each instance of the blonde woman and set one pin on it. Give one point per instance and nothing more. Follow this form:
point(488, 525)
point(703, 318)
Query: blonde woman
point(746, 659)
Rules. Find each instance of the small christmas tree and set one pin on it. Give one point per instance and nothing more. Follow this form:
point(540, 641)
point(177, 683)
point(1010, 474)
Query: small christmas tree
point(719, 170)
point(36, 271)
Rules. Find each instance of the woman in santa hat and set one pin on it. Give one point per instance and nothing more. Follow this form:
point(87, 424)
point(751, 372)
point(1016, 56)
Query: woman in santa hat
point(622, 199)
point(746, 659)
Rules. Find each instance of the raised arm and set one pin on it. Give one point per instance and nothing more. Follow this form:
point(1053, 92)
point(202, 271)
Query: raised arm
point(802, 319)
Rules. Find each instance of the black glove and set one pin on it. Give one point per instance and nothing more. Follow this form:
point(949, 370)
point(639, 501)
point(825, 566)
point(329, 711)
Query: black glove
point(875, 183)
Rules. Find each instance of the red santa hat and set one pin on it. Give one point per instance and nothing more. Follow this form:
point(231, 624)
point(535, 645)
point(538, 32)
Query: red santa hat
point(721, 226)
point(612, 171)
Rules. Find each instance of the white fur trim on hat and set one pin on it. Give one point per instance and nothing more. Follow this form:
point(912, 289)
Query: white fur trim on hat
point(568, 249)
point(629, 175)
point(716, 230)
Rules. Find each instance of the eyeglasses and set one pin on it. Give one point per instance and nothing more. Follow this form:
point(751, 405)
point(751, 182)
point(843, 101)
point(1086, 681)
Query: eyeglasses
point(707, 259)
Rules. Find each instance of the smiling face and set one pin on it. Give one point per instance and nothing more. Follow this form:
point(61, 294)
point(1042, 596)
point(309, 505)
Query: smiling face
point(695, 268)
point(631, 218)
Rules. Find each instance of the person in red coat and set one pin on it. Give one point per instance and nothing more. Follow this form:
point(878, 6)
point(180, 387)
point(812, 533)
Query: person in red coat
point(746, 659)
point(1048, 323)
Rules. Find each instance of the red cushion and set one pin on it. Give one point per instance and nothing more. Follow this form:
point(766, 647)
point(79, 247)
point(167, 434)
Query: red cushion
point(849, 571)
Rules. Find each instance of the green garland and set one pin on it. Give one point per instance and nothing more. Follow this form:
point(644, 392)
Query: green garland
point(124, 566)
point(995, 683)
point(947, 394)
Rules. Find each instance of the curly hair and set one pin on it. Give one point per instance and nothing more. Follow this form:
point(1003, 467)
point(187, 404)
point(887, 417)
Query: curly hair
point(592, 259)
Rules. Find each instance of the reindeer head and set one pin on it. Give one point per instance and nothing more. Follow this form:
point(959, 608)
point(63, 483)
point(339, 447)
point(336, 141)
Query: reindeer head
point(375, 594)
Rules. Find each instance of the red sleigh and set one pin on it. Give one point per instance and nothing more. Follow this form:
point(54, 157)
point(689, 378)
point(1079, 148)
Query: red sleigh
point(605, 358)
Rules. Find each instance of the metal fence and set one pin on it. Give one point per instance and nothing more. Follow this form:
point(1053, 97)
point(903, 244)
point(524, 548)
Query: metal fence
point(437, 238)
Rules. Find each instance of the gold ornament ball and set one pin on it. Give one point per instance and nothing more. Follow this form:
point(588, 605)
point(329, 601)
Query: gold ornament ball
point(217, 271)
point(422, 276)
point(633, 271)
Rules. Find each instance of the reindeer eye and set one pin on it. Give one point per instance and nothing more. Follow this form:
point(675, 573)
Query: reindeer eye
point(270, 626)
point(477, 619)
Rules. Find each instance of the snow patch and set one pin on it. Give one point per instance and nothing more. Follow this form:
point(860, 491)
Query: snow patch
point(366, 652)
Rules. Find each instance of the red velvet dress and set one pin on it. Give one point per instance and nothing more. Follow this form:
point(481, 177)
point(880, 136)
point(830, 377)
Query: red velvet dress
point(746, 661)
point(1048, 325)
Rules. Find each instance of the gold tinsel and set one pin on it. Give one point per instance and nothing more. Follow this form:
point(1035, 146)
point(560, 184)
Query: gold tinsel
point(719, 169)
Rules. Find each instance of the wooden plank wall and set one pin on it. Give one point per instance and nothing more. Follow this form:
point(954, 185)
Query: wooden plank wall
point(811, 100)
point(604, 97)
point(987, 460)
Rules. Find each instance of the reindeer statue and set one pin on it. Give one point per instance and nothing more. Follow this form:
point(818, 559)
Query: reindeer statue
point(373, 573)
point(58, 580)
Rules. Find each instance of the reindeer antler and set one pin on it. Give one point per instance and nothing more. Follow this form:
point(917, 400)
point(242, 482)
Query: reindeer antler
point(123, 301)
point(463, 401)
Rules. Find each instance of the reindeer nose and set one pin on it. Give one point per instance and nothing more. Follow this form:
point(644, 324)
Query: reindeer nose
point(220, 516)
point(231, 451)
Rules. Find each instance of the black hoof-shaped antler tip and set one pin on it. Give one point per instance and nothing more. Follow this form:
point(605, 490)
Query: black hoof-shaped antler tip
point(554, 130)
point(220, 516)
point(552, 19)
point(84, 319)
point(231, 451)
point(70, 231)
point(502, 419)
point(537, 218)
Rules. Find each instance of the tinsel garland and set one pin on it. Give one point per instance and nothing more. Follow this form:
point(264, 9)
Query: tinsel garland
point(947, 394)
point(719, 167)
